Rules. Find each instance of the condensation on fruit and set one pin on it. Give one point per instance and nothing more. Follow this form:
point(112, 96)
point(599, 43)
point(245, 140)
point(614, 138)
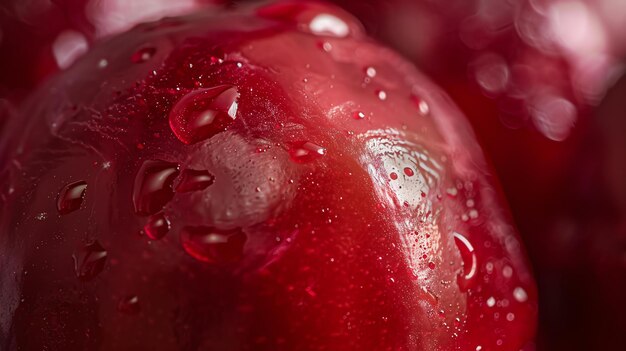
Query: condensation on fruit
point(71, 197)
point(467, 278)
point(89, 261)
point(142, 55)
point(153, 186)
point(157, 226)
point(211, 245)
point(202, 113)
point(129, 305)
point(306, 151)
point(194, 180)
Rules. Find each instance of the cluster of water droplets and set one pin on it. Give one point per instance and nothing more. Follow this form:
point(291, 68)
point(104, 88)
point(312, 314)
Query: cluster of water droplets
point(202, 114)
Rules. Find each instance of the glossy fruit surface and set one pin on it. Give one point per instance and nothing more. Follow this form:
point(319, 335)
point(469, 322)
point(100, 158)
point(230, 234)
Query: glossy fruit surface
point(219, 193)
point(530, 76)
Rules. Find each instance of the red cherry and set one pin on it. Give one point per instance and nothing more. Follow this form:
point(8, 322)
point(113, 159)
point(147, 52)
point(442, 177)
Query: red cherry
point(284, 223)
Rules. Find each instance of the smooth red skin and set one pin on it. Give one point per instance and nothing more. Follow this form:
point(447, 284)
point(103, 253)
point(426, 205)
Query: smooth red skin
point(347, 270)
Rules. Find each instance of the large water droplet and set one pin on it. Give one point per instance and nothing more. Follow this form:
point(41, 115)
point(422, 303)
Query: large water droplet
point(358, 115)
point(153, 186)
point(129, 305)
point(467, 278)
point(381, 94)
point(71, 197)
point(421, 104)
point(211, 245)
point(303, 152)
point(203, 113)
point(192, 180)
point(157, 226)
point(143, 55)
point(520, 294)
point(89, 261)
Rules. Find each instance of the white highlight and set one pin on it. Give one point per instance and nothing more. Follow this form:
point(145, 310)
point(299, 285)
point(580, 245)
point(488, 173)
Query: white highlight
point(329, 24)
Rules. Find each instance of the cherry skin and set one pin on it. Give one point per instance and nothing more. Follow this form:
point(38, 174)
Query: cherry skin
point(514, 85)
point(229, 199)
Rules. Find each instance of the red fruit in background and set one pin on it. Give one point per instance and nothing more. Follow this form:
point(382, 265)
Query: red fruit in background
point(41, 37)
point(297, 227)
point(594, 223)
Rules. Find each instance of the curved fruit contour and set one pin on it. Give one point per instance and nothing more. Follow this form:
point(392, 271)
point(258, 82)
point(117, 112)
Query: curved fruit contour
point(300, 188)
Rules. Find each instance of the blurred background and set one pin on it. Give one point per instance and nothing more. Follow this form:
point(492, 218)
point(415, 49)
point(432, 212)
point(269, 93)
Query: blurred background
point(542, 82)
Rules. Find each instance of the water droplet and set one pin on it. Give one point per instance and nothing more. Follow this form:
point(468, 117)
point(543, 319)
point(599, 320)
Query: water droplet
point(422, 105)
point(520, 294)
point(129, 305)
point(203, 113)
point(192, 180)
point(153, 186)
point(467, 278)
point(358, 115)
point(327, 24)
point(408, 171)
point(370, 72)
point(71, 197)
point(211, 245)
point(143, 55)
point(491, 301)
point(382, 95)
point(303, 152)
point(157, 226)
point(89, 261)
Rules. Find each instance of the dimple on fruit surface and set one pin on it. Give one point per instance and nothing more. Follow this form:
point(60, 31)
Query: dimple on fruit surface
point(261, 179)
